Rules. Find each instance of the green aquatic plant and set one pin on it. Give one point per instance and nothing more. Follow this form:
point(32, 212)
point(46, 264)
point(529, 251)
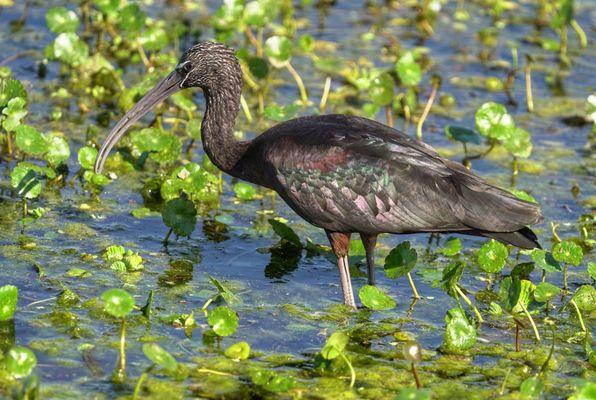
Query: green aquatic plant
point(334, 347)
point(119, 303)
point(20, 362)
point(158, 357)
point(516, 295)
point(450, 284)
point(374, 298)
point(460, 334)
point(400, 261)
point(9, 297)
point(567, 253)
point(123, 260)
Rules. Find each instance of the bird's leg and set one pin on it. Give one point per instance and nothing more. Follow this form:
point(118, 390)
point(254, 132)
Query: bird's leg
point(339, 244)
point(369, 242)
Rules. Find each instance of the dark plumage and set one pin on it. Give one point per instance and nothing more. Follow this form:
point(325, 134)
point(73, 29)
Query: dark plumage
point(342, 173)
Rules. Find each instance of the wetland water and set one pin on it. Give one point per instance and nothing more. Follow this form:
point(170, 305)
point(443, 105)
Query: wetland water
point(290, 297)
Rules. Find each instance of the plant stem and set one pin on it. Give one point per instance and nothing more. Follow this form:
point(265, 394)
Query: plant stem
point(427, 107)
point(413, 286)
point(529, 97)
point(245, 109)
point(536, 334)
point(502, 390)
point(254, 41)
point(469, 303)
point(517, 338)
point(553, 229)
point(583, 39)
point(120, 373)
point(138, 386)
point(211, 371)
point(144, 58)
point(167, 238)
point(563, 44)
point(514, 170)
point(389, 114)
point(565, 278)
point(579, 315)
point(352, 372)
point(416, 377)
point(303, 95)
point(325, 96)
point(9, 144)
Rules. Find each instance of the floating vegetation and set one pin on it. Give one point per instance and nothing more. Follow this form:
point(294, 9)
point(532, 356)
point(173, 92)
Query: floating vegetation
point(163, 278)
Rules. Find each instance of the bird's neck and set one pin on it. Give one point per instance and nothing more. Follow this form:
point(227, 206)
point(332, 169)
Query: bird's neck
point(217, 129)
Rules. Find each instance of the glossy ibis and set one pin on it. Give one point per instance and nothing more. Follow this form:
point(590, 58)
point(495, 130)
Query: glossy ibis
point(342, 173)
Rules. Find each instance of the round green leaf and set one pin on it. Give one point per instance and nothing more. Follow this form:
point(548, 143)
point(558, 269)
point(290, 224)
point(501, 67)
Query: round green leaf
point(223, 320)
point(451, 247)
point(545, 260)
point(335, 345)
point(9, 296)
point(180, 215)
point(132, 19)
point(25, 179)
point(585, 298)
point(493, 121)
point(462, 134)
point(159, 356)
point(238, 351)
point(408, 70)
point(400, 260)
point(20, 361)
point(381, 89)
point(154, 38)
point(459, 333)
point(69, 48)
point(492, 256)
point(372, 297)
point(87, 156)
point(258, 67)
point(306, 43)
point(107, 6)
point(254, 14)
point(58, 150)
point(60, 20)
point(244, 191)
point(592, 270)
point(30, 141)
point(568, 252)
point(545, 291)
point(278, 49)
point(519, 143)
point(118, 303)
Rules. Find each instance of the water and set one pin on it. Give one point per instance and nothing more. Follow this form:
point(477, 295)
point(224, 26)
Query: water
point(240, 254)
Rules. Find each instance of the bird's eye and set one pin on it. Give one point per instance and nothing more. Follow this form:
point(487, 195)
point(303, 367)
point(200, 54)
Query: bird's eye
point(185, 67)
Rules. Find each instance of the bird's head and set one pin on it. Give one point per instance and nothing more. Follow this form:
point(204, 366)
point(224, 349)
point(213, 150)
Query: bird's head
point(210, 66)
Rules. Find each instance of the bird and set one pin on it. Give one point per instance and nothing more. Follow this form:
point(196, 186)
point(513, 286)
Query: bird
point(342, 173)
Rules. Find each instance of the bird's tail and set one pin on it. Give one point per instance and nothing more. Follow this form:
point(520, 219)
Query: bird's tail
point(524, 238)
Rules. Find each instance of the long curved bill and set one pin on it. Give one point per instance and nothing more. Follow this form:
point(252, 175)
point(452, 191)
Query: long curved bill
point(164, 89)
